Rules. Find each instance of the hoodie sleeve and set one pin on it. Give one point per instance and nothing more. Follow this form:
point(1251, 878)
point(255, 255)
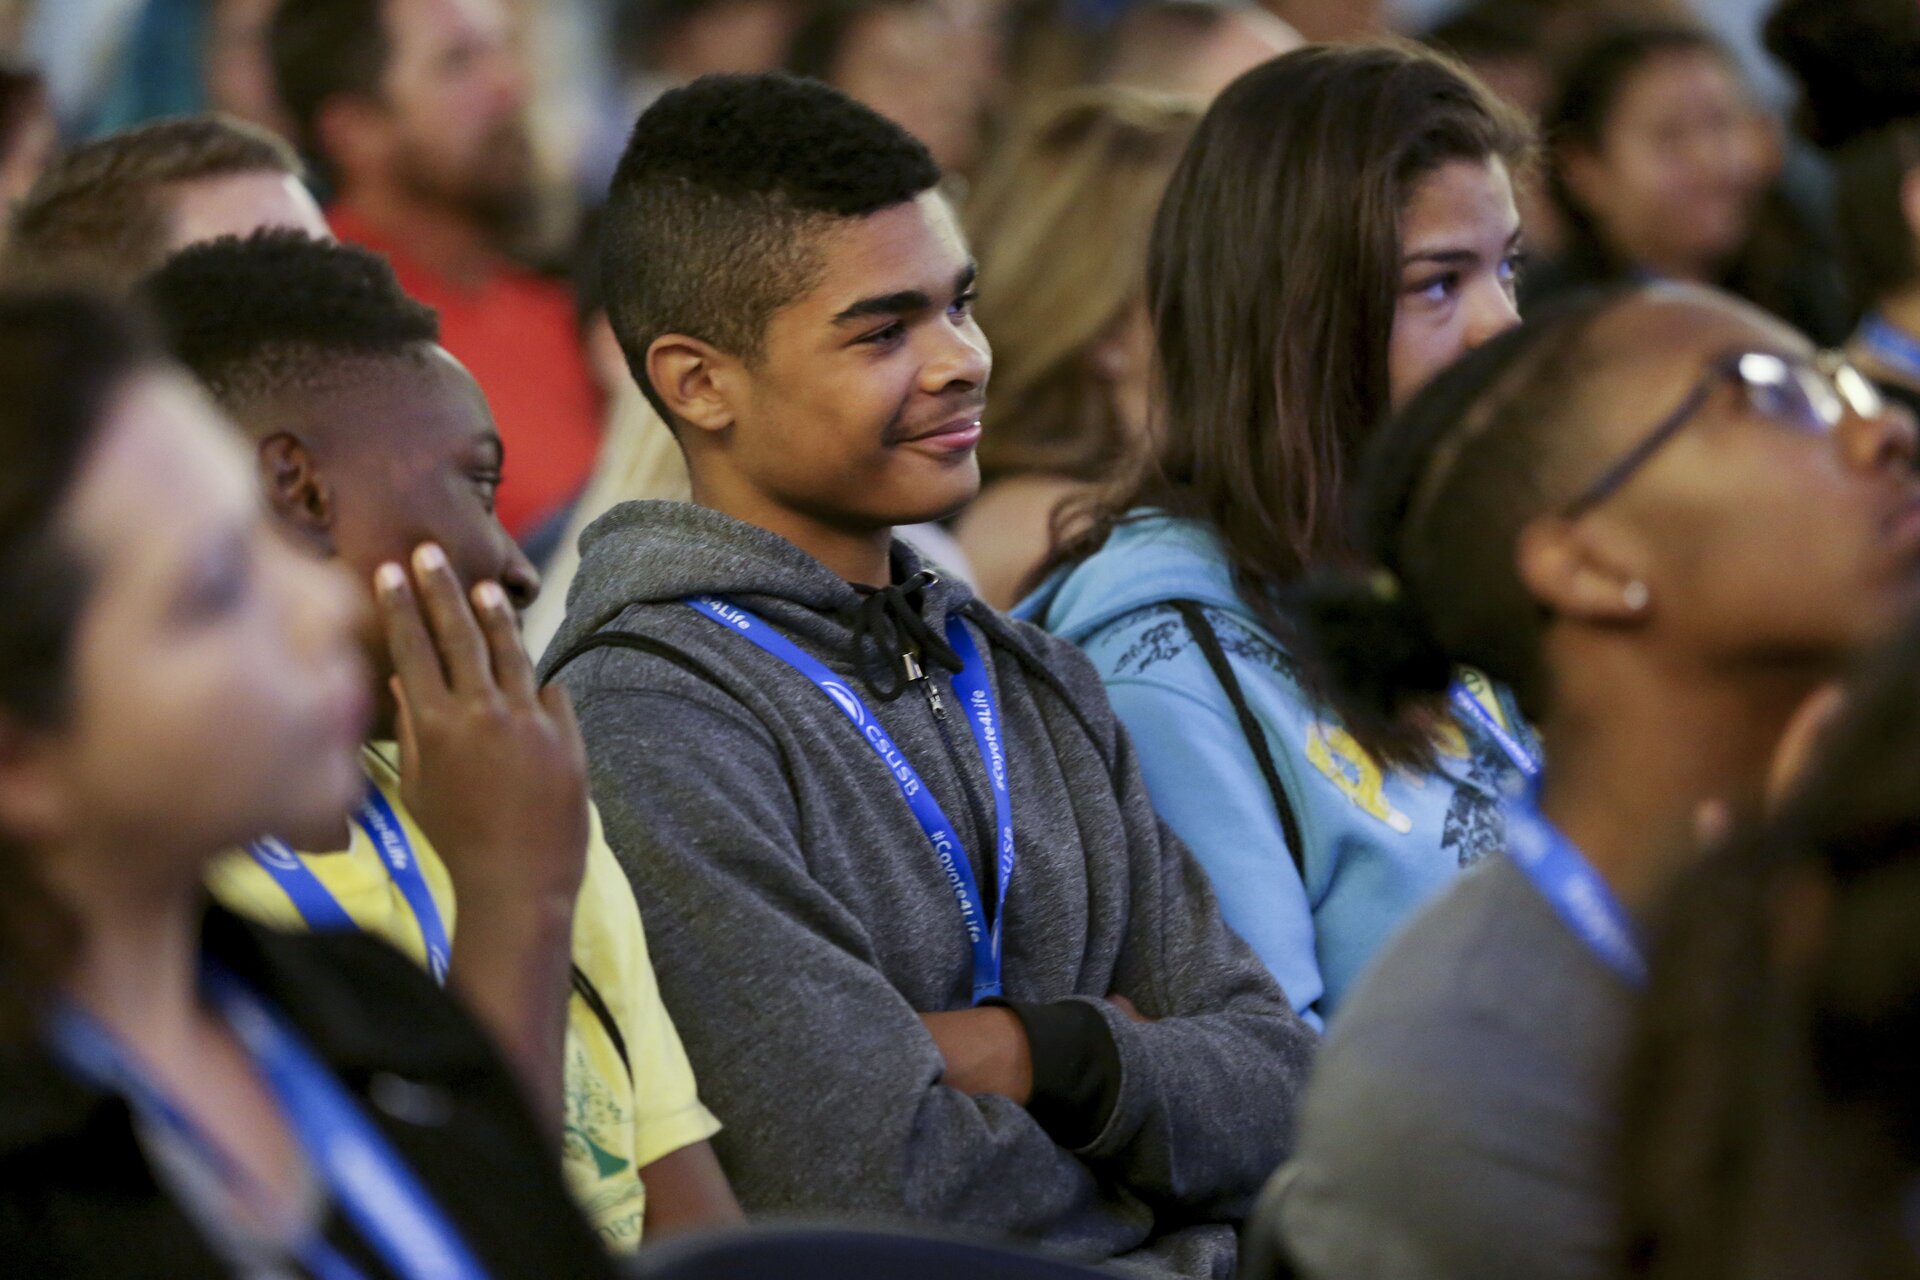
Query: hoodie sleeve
point(1208, 1087)
point(777, 999)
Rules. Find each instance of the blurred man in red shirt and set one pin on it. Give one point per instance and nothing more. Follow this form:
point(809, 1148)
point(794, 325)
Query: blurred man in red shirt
point(414, 112)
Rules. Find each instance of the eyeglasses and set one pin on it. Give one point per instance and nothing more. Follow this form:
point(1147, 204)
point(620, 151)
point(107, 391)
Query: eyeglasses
point(1811, 396)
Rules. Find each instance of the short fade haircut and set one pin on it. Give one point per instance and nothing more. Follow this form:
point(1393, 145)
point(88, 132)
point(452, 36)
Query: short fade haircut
point(713, 214)
point(279, 311)
point(100, 210)
point(322, 49)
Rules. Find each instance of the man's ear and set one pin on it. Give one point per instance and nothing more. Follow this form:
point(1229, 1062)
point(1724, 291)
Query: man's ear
point(1580, 572)
point(297, 492)
point(695, 379)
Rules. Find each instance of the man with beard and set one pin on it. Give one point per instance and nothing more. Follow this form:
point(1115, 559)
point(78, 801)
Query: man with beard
point(414, 112)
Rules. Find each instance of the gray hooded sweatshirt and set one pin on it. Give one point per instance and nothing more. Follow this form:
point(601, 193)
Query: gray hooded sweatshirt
point(799, 923)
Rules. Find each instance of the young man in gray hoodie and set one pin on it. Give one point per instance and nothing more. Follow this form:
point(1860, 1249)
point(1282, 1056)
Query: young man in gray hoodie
point(931, 951)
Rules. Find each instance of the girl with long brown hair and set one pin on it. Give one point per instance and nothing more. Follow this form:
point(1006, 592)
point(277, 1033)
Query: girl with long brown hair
point(1341, 227)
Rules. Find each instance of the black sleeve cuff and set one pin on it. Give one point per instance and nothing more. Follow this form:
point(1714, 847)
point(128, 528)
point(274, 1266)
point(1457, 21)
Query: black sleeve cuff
point(1076, 1069)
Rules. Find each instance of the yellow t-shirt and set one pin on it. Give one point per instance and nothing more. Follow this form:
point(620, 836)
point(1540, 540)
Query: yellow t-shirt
point(615, 1125)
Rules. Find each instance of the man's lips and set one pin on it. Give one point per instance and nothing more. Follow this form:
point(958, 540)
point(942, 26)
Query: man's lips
point(961, 431)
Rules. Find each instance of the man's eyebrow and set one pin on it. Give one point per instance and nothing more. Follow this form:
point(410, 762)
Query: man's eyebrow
point(904, 302)
point(493, 447)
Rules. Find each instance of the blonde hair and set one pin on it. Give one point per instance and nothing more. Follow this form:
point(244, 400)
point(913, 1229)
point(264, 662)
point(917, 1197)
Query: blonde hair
point(1060, 222)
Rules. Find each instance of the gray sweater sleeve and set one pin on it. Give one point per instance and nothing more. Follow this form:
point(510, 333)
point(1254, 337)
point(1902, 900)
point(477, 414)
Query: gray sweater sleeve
point(783, 1014)
point(1206, 1103)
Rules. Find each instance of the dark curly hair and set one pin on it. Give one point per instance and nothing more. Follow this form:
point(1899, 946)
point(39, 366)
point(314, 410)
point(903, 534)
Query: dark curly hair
point(724, 189)
point(277, 310)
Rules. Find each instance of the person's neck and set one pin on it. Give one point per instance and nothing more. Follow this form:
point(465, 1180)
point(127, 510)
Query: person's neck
point(857, 553)
point(1635, 763)
point(138, 967)
point(441, 239)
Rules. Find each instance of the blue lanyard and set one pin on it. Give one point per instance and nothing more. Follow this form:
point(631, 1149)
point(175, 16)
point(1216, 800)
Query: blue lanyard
point(975, 693)
point(1574, 889)
point(1895, 348)
point(1468, 706)
point(323, 912)
point(374, 1188)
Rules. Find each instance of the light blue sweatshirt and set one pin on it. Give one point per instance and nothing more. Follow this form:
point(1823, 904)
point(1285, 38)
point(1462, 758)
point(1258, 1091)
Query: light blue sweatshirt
point(1376, 845)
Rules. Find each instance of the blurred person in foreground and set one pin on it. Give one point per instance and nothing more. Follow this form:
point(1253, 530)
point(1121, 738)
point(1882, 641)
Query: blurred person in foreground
point(1858, 64)
point(183, 1093)
point(1772, 1130)
point(114, 208)
point(414, 112)
point(1060, 224)
point(1667, 523)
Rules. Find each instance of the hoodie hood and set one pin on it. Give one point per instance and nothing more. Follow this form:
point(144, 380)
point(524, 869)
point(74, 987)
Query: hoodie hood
point(642, 553)
point(1148, 560)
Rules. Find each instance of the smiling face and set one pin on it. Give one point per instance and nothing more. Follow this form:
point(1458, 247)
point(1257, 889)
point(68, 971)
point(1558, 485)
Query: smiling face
point(1459, 259)
point(862, 410)
point(217, 690)
point(1680, 164)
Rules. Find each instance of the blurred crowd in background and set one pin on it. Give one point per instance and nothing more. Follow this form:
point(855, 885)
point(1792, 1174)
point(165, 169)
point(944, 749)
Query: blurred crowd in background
point(493, 127)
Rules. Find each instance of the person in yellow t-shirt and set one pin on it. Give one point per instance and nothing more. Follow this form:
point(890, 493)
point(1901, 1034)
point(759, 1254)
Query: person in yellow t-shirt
point(376, 449)
point(619, 1034)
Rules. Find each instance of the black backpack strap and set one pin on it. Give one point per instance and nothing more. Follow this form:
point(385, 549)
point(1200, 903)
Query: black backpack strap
point(630, 640)
point(584, 988)
point(1195, 616)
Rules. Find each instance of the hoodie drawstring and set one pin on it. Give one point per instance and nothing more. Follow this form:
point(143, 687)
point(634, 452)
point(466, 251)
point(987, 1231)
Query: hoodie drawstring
point(890, 618)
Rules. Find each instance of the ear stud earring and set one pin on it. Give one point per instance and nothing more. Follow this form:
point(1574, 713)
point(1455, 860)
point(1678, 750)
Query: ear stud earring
point(1635, 595)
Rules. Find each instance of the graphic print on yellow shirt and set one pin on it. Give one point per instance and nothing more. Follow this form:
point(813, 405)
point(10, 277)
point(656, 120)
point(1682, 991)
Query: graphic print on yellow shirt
point(616, 1123)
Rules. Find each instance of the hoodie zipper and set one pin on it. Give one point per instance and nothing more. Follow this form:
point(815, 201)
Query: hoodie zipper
point(917, 674)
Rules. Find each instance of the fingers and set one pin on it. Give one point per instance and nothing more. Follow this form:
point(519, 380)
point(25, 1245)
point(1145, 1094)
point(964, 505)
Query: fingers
point(512, 668)
point(462, 647)
point(415, 661)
